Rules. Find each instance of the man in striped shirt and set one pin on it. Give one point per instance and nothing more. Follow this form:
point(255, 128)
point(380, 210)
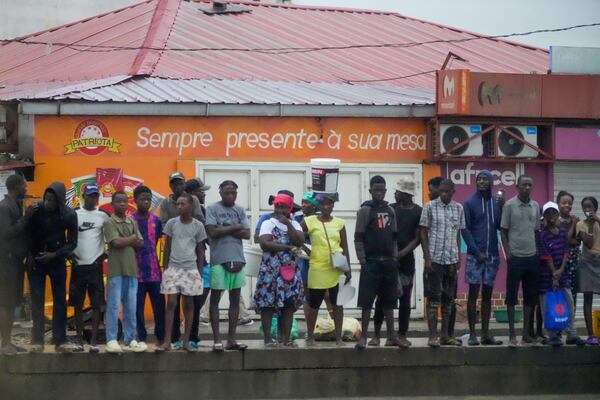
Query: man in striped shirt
point(441, 221)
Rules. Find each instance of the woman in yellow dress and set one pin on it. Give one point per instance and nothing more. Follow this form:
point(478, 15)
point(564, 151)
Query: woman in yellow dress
point(327, 234)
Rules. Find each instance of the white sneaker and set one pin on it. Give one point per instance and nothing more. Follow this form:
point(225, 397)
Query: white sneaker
point(135, 347)
point(113, 347)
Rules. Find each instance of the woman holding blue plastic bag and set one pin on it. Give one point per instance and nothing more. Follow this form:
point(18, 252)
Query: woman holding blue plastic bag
point(555, 287)
point(279, 286)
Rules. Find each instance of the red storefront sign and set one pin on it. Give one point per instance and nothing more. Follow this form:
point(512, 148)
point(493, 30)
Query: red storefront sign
point(461, 92)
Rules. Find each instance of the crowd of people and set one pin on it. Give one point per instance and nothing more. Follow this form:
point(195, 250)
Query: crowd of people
point(305, 260)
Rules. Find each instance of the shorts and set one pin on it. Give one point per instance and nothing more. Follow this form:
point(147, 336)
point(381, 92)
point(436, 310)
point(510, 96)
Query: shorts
point(379, 279)
point(221, 279)
point(316, 296)
point(87, 279)
point(185, 281)
point(11, 283)
point(525, 270)
point(481, 274)
point(441, 284)
point(206, 277)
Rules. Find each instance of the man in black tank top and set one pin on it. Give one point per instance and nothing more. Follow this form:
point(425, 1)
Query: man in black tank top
point(377, 252)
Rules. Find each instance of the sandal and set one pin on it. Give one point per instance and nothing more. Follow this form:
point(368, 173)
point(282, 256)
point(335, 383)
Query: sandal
point(94, 349)
point(271, 344)
point(236, 346)
point(217, 348)
point(450, 342)
point(291, 344)
point(473, 341)
point(592, 341)
point(374, 342)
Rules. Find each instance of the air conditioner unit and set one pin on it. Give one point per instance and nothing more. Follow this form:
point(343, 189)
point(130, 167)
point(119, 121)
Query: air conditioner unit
point(508, 146)
point(451, 135)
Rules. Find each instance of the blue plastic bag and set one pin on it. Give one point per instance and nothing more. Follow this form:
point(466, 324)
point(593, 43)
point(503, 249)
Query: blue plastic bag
point(557, 315)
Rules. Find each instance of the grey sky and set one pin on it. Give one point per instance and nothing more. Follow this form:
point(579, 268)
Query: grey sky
point(497, 17)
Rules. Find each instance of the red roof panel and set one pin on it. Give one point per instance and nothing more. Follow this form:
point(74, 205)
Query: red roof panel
point(179, 24)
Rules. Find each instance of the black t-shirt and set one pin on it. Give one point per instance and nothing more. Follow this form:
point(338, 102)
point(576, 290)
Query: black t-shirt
point(407, 221)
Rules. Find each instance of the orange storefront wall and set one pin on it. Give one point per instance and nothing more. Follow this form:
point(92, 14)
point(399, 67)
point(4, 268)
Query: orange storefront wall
point(150, 148)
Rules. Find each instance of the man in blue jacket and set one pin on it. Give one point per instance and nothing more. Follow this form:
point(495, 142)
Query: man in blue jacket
point(483, 213)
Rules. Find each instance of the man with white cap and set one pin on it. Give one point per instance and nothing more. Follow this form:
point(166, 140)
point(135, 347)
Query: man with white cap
point(408, 215)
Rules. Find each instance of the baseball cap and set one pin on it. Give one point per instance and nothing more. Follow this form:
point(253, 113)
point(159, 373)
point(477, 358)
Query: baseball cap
point(176, 175)
point(406, 186)
point(550, 206)
point(195, 184)
point(91, 188)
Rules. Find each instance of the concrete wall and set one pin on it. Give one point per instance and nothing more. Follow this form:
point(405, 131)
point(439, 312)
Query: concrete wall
point(18, 18)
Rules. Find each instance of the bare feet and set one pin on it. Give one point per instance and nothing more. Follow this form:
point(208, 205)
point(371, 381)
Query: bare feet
point(340, 343)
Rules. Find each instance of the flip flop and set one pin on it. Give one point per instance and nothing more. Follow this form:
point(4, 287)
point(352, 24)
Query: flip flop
point(217, 348)
point(374, 343)
point(236, 346)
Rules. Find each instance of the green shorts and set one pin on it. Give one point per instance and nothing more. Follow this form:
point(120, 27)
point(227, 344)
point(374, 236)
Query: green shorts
point(221, 279)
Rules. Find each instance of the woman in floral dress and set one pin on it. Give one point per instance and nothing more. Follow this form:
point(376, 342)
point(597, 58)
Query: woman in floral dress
point(279, 287)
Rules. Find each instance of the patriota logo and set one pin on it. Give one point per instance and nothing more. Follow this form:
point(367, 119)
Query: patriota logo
point(91, 138)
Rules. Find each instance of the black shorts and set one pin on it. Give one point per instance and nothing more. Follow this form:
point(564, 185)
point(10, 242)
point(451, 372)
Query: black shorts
point(86, 279)
point(11, 283)
point(379, 279)
point(316, 296)
point(525, 270)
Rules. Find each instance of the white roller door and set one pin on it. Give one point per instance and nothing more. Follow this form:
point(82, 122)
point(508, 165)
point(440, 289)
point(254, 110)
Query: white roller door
point(259, 180)
point(580, 179)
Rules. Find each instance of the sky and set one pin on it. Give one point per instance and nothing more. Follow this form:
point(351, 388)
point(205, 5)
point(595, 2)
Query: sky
point(497, 17)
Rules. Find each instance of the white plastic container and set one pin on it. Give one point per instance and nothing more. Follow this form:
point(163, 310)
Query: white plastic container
point(253, 256)
point(325, 174)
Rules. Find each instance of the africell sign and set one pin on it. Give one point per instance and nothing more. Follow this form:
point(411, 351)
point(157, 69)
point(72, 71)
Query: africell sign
point(464, 176)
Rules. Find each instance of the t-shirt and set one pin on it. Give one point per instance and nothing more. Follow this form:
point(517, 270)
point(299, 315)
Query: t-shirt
point(184, 238)
point(583, 227)
point(322, 274)
point(121, 262)
point(552, 247)
point(407, 221)
point(227, 248)
point(267, 226)
point(151, 230)
point(521, 220)
point(90, 235)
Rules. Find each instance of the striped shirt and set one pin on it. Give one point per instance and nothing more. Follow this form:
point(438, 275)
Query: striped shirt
point(552, 247)
point(444, 222)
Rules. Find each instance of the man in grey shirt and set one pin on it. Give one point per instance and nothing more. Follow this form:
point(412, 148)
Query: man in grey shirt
point(168, 207)
point(227, 225)
point(520, 225)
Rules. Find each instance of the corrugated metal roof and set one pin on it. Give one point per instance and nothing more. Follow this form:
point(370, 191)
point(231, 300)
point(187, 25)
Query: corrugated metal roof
point(179, 24)
point(158, 90)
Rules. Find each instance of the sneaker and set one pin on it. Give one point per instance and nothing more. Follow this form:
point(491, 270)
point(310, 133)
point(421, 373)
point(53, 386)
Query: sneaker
point(177, 345)
point(94, 349)
point(576, 340)
point(450, 342)
point(433, 342)
point(113, 347)
point(37, 348)
point(245, 322)
point(554, 341)
point(135, 347)
point(78, 347)
point(62, 348)
point(194, 345)
point(204, 321)
point(592, 341)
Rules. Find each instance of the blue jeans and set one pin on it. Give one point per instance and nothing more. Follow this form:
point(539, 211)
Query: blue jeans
point(121, 290)
point(157, 300)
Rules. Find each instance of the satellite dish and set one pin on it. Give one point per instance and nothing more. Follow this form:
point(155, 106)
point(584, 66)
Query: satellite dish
point(453, 136)
point(509, 145)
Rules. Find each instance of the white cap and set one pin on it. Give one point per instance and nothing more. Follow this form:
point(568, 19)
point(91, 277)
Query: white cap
point(550, 205)
point(407, 186)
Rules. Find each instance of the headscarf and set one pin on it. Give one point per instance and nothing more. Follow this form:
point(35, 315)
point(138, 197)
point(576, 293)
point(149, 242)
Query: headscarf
point(310, 197)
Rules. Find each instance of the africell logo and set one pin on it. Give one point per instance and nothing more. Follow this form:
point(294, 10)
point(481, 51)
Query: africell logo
point(468, 175)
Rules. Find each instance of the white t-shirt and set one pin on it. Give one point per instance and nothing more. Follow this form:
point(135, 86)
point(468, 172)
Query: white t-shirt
point(90, 237)
point(267, 227)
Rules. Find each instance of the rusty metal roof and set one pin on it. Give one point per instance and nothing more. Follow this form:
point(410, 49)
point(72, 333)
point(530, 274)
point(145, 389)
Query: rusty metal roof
point(269, 45)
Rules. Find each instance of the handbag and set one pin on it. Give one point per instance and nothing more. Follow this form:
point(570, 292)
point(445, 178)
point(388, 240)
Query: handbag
point(287, 272)
point(557, 314)
point(339, 260)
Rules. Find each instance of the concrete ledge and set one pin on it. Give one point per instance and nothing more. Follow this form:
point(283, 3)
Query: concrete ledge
point(301, 373)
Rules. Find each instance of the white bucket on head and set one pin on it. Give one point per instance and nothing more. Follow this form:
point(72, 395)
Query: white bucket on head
point(325, 173)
